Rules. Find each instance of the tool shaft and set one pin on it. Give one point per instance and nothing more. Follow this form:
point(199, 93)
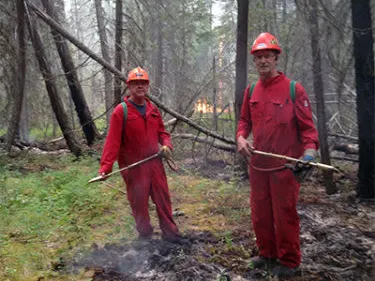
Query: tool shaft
point(314, 164)
point(98, 178)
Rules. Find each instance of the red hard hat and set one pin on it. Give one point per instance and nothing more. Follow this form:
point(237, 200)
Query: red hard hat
point(137, 73)
point(265, 41)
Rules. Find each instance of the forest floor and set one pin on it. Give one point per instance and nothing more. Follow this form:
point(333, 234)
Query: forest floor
point(337, 234)
point(94, 238)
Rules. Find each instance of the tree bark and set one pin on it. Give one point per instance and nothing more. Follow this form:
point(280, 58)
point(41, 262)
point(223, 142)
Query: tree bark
point(105, 53)
point(364, 80)
point(159, 54)
point(76, 92)
point(241, 55)
point(319, 95)
point(241, 63)
point(56, 102)
point(118, 51)
point(21, 69)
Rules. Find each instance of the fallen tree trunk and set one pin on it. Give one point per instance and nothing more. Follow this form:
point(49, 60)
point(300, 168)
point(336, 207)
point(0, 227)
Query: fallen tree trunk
point(58, 144)
point(47, 19)
point(345, 159)
point(343, 137)
point(221, 146)
point(170, 122)
point(348, 148)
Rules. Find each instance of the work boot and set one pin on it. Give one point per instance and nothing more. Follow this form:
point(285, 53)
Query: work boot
point(284, 271)
point(261, 262)
point(145, 237)
point(175, 239)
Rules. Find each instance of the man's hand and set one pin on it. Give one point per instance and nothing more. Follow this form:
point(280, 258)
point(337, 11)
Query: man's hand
point(308, 156)
point(104, 176)
point(302, 169)
point(167, 153)
point(244, 147)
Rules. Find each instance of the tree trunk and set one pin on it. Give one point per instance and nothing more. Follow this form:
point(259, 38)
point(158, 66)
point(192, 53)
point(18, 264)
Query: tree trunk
point(24, 127)
point(364, 80)
point(106, 57)
point(241, 66)
point(49, 79)
point(214, 96)
point(159, 55)
point(319, 95)
point(76, 92)
point(241, 54)
point(21, 69)
point(118, 50)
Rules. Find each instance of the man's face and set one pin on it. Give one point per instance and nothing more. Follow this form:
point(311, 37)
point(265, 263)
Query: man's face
point(265, 61)
point(138, 88)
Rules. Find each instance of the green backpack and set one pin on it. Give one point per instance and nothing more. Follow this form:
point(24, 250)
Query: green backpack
point(292, 90)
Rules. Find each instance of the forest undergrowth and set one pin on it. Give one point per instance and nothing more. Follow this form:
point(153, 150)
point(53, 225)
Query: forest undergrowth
point(56, 226)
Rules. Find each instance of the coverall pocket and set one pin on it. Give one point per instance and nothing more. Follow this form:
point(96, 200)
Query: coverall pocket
point(154, 118)
point(256, 111)
point(279, 112)
point(153, 125)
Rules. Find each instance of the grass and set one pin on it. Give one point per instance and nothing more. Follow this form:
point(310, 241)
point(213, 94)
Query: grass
point(48, 212)
point(51, 213)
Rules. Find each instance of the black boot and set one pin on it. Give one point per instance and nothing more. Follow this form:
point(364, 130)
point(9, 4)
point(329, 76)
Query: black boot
point(284, 271)
point(262, 262)
point(176, 239)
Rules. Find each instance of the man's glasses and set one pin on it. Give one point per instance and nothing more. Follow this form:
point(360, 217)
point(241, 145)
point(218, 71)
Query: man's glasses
point(266, 57)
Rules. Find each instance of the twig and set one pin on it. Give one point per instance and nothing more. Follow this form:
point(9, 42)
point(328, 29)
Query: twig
point(345, 159)
point(115, 188)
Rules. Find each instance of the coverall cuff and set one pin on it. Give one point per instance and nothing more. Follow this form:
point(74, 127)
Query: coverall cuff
point(105, 170)
point(240, 135)
point(167, 143)
point(310, 146)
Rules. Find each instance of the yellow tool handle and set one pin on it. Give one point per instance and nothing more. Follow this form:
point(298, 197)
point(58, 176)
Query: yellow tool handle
point(314, 164)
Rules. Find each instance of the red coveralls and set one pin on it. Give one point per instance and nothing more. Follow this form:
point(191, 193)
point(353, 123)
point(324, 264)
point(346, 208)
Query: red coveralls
point(140, 140)
point(282, 127)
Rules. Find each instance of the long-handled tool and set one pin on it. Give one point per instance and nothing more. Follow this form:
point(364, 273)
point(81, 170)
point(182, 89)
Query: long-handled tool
point(102, 177)
point(161, 153)
point(314, 164)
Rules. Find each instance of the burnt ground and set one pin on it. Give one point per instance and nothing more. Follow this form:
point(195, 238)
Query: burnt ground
point(337, 243)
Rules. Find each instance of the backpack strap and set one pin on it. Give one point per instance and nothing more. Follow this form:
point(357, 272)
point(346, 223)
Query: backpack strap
point(293, 97)
point(251, 89)
point(293, 90)
point(125, 107)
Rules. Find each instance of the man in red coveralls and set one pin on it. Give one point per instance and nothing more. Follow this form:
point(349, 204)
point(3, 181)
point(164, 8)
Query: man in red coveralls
point(136, 140)
point(283, 125)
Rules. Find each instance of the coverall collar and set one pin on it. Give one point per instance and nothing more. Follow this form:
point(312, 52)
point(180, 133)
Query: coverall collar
point(272, 80)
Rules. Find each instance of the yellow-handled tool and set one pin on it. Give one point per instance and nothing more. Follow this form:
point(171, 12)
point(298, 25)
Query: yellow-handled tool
point(314, 164)
point(160, 153)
